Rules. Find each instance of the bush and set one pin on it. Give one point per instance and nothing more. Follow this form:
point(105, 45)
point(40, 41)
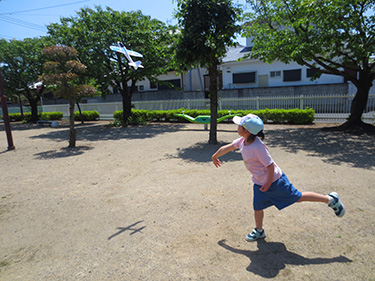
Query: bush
point(139, 117)
point(87, 115)
point(42, 116)
point(276, 116)
point(56, 115)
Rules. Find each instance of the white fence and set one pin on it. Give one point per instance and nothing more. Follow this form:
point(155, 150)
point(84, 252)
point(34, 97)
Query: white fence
point(332, 108)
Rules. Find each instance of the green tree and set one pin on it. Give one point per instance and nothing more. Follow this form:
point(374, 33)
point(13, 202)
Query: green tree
point(207, 28)
point(21, 63)
point(92, 32)
point(333, 37)
point(63, 72)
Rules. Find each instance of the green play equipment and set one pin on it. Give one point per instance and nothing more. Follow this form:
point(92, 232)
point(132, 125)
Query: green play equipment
point(205, 119)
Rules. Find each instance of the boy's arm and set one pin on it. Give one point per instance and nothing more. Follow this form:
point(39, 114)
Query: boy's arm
point(270, 174)
point(220, 152)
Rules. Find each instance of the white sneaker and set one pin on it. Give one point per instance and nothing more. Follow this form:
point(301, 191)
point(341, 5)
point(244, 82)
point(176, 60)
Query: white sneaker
point(337, 205)
point(255, 235)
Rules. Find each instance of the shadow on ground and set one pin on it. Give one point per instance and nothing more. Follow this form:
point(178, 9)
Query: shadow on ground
point(271, 257)
point(98, 132)
point(202, 152)
point(133, 228)
point(334, 147)
point(63, 152)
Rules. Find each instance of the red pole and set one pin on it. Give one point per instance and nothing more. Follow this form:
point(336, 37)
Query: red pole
point(6, 115)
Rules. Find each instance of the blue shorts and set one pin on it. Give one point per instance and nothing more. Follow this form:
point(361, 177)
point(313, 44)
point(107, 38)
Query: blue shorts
point(281, 194)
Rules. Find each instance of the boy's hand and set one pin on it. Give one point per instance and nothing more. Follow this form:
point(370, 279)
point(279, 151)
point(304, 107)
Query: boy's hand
point(216, 162)
point(265, 187)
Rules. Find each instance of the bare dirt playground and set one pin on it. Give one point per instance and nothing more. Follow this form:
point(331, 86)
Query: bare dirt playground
point(146, 203)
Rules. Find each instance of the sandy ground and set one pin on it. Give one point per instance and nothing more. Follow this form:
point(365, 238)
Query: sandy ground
point(146, 203)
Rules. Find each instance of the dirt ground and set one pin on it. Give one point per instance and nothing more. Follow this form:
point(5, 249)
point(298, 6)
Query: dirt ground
point(146, 203)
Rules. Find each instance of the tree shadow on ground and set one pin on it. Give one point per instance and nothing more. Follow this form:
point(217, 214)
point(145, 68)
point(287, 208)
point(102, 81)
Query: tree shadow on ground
point(63, 152)
point(333, 147)
point(272, 257)
point(19, 126)
point(98, 132)
point(201, 152)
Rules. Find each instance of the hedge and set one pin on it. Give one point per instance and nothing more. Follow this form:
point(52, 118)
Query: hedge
point(277, 116)
point(56, 115)
point(89, 115)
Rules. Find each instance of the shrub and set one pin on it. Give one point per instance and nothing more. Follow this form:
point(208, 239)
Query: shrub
point(42, 116)
point(89, 115)
point(139, 117)
point(56, 115)
point(277, 116)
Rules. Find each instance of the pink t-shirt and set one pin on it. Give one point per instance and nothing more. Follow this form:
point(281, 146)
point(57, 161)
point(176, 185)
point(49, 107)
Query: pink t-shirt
point(257, 159)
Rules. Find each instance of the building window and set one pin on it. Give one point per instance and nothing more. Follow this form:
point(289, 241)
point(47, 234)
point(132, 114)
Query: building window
point(275, 74)
point(174, 82)
point(311, 72)
point(141, 88)
point(292, 75)
point(244, 78)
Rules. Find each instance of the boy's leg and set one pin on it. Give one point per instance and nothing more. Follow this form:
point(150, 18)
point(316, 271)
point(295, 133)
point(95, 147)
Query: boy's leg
point(314, 197)
point(259, 215)
point(258, 231)
point(331, 199)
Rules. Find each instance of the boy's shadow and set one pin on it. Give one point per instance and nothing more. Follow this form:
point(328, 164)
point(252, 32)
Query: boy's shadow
point(273, 256)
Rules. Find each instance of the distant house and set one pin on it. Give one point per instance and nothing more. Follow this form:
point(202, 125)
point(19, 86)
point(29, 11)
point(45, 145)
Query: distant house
point(253, 73)
point(192, 80)
point(243, 74)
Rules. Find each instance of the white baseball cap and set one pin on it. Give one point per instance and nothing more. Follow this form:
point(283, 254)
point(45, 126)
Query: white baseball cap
point(250, 122)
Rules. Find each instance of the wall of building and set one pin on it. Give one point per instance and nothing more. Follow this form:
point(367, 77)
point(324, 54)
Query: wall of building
point(264, 70)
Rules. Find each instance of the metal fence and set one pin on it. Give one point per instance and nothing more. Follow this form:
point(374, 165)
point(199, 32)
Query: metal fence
point(328, 108)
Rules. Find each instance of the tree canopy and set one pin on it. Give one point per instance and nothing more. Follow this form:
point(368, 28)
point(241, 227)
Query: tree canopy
point(63, 73)
point(92, 31)
point(21, 63)
point(334, 37)
point(207, 28)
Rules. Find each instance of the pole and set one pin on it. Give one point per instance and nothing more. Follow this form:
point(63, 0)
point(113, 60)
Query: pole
point(6, 115)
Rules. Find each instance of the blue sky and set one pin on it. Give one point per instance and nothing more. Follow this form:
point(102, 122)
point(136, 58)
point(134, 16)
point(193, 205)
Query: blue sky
point(21, 19)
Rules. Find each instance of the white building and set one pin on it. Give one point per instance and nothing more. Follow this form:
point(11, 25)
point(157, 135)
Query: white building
point(253, 73)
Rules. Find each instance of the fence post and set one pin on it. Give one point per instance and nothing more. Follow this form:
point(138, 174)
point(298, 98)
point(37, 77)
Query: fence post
point(257, 102)
point(301, 102)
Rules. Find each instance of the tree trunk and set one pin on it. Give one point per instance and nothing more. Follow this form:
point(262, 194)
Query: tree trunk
point(127, 94)
point(126, 106)
point(72, 130)
point(80, 113)
point(33, 100)
point(21, 107)
point(213, 74)
point(358, 106)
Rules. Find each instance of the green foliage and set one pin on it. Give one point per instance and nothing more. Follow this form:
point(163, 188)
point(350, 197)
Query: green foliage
point(21, 63)
point(63, 72)
point(88, 115)
point(56, 115)
point(139, 117)
point(93, 31)
point(332, 37)
point(207, 28)
point(276, 116)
